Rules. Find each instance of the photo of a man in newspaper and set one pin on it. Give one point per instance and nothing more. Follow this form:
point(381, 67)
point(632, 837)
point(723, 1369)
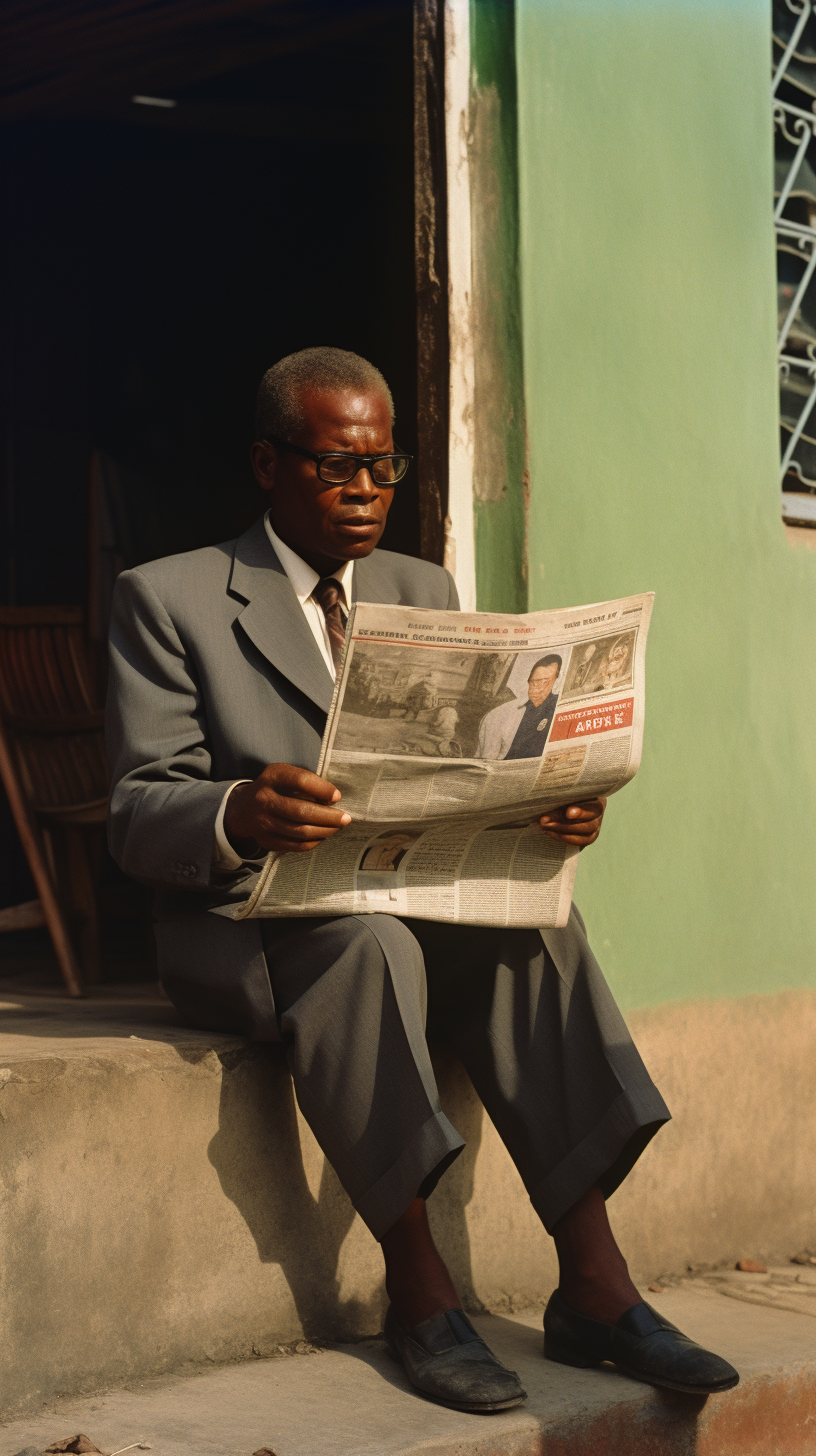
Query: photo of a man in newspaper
point(520, 729)
point(601, 665)
point(386, 853)
point(499, 705)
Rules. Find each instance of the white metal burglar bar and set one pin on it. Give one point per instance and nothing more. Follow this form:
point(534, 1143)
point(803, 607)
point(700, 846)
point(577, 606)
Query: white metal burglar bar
point(793, 95)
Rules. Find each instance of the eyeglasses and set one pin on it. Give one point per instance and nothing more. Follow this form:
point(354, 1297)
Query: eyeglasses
point(334, 468)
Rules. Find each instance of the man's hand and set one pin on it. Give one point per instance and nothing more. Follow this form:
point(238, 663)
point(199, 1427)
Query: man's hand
point(577, 823)
point(284, 809)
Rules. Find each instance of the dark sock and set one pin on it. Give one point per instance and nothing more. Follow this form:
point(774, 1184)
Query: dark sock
point(416, 1278)
point(594, 1278)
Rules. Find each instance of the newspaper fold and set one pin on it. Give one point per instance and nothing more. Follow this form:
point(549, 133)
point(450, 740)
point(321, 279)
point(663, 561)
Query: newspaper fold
point(449, 735)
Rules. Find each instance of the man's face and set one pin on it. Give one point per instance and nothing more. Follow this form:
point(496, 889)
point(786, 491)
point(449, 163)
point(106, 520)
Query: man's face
point(540, 683)
point(329, 523)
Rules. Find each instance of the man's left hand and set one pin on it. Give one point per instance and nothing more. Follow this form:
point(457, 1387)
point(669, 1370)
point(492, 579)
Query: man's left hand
point(576, 823)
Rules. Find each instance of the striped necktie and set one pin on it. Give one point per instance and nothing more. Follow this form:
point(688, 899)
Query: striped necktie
point(328, 593)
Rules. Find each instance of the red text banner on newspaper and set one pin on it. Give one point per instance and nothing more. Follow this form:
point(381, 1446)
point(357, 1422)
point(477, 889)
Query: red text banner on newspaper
point(583, 721)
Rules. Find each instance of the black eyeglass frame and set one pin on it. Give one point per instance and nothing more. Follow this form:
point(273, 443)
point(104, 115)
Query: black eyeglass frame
point(363, 461)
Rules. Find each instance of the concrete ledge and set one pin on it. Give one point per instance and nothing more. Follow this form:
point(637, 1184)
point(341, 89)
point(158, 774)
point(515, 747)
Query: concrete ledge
point(163, 1201)
point(354, 1400)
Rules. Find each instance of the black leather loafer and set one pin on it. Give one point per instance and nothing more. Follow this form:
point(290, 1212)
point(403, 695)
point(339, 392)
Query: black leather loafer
point(642, 1343)
point(447, 1361)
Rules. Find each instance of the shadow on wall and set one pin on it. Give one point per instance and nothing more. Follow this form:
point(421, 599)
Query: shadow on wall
point(447, 1207)
point(259, 1160)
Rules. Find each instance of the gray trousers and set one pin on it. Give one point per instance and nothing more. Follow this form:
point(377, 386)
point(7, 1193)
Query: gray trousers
point(548, 1053)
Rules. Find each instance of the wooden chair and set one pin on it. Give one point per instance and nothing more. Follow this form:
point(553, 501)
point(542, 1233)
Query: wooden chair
point(53, 769)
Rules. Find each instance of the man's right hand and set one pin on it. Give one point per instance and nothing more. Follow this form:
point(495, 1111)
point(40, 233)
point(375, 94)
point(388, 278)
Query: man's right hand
point(284, 809)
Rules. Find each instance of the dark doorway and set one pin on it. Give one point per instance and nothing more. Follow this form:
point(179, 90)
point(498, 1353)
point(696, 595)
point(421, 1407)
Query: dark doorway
point(161, 257)
point(158, 258)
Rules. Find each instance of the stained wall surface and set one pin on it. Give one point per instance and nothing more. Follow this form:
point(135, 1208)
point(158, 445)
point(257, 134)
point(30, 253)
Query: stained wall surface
point(164, 1204)
point(648, 317)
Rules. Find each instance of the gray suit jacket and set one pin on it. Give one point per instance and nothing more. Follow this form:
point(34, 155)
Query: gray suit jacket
point(213, 674)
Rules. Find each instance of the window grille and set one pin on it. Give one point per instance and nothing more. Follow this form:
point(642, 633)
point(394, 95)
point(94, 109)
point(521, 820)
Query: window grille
point(793, 93)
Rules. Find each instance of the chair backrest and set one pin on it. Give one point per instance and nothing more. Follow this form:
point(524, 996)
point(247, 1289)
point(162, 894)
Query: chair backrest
point(49, 707)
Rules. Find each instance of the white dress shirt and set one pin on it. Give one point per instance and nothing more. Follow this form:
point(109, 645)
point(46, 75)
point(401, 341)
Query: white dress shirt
point(304, 579)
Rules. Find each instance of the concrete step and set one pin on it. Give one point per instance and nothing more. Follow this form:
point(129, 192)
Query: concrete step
point(352, 1400)
point(165, 1207)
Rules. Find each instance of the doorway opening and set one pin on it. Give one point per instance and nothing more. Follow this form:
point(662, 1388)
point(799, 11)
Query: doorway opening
point(184, 212)
point(187, 200)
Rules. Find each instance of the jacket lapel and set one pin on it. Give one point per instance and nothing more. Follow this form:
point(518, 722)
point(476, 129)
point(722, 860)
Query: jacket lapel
point(273, 618)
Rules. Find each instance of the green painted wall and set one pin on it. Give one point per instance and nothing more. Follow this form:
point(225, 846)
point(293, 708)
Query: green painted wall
point(648, 305)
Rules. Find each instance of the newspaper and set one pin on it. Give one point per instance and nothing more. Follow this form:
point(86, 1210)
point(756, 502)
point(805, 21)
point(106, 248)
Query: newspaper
point(449, 735)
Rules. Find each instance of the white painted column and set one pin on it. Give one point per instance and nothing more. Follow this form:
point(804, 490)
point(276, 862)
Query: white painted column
point(460, 555)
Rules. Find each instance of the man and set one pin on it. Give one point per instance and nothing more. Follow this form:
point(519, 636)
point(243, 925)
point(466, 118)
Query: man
point(442, 727)
point(520, 729)
point(614, 666)
point(419, 699)
point(222, 666)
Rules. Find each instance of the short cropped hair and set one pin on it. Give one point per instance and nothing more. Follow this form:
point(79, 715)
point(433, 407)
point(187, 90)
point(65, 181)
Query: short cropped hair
point(279, 410)
point(546, 662)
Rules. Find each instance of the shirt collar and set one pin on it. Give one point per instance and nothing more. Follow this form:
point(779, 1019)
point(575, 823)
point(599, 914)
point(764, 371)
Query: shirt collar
point(303, 577)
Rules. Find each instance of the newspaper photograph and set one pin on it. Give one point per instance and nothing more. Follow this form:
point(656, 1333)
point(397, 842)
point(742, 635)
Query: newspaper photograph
point(449, 735)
